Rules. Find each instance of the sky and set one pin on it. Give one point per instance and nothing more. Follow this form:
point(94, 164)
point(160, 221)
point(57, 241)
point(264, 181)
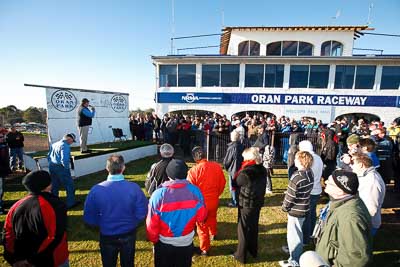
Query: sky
point(107, 45)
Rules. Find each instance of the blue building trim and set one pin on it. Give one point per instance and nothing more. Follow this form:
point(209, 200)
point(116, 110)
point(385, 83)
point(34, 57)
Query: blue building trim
point(283, 99)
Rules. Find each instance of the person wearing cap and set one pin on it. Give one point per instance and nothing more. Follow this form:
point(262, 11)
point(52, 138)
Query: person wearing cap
point(117, 207)
point(157, 175)
point(59, 166)
point(353, 147)
point(15, 141)
point(297, 203)
point(316, 167)
point(344, 232)
point(35, 227)
point(85, 116)
point(209, 177)
point(371, 188)
point(174, 210)
point(239, 129)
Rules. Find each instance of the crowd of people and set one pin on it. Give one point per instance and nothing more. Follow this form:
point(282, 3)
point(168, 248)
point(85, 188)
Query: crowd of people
point(350, 162)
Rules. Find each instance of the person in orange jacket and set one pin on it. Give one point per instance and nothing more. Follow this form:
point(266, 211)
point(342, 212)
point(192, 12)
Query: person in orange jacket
point(209, 177)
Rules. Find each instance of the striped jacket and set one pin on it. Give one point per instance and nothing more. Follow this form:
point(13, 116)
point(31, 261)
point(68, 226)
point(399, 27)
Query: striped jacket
point(297, 195)
point(174, 209)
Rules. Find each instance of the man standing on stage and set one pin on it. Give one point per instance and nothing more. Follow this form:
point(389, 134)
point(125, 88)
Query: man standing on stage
point(85, 116)
point(59, 167)
point(209, 177)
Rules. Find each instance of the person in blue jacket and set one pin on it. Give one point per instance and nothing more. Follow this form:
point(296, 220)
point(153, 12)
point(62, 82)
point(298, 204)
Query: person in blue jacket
point(117, 207)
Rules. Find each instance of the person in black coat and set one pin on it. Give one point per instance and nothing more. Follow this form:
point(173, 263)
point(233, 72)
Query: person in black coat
point(329, 151)
point(4, 167)
point(232, 162)
point(251, 180)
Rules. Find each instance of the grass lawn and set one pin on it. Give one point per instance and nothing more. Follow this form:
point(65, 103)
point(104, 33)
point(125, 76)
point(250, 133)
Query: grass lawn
point(84, 247)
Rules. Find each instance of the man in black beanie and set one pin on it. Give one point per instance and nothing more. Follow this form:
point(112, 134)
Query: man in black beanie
point(344, 231)
point(35, 226)
point(174, 210)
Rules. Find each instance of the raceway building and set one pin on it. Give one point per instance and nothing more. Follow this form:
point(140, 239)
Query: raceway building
point(292, 71)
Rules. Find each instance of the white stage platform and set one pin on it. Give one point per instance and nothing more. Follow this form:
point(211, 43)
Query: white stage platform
point(88, 165)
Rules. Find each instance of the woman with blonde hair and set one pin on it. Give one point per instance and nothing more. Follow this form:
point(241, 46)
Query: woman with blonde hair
point(251, 181)
point(297, 204)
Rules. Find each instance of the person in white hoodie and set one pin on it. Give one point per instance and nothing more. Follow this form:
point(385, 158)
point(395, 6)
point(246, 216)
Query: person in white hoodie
point(316, 168)
point(371, 190)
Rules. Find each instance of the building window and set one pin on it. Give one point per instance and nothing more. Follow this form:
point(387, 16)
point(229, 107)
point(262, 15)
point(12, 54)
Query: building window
point(319, 76)
point(299, 76)
point(305, 49)
point(210, 75)
point(254, 75)
point(249, 48)
point(365, 77)
point(274, 49)
point(344, 76)
point(289, 48)
point(332, 48)
point(274, 75)
point(167, 76)
point(187, 75)
point(390, 77)
point(230, 75)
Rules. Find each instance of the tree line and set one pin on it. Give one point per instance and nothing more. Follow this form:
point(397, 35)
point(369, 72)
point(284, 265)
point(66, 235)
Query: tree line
point(11, 115)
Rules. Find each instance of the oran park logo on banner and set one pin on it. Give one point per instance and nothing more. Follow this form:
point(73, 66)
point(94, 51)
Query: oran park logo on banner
point(63, 100)
point(118, 103)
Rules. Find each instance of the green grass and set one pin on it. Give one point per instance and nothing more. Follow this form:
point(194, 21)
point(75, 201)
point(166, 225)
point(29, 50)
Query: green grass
point(84, 247)
point(99, 149)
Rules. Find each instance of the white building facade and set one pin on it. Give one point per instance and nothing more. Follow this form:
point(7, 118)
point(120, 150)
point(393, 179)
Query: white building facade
point(291, 71)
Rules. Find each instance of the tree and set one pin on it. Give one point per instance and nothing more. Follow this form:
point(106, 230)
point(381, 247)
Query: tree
point(33, 114)
point(11, 114)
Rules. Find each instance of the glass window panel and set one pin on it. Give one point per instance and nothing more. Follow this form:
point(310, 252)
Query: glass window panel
point(326, 48)
point(254, 48)
point(298, 76)
point(167, 75)
point(210, 75)
point(305, 49)
point(274, 49)
point(337, 49)
point(254, 75)
point(390, 77)
point(344, 76)
point(289, 48)
point(230, 75)
point(274, 75)
point(187, 75)
point(319, 76)
point(243, 48)
point(365, 77)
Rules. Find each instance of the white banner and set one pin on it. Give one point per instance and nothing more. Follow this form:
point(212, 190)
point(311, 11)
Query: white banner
point(323, 113)
point(112, 111)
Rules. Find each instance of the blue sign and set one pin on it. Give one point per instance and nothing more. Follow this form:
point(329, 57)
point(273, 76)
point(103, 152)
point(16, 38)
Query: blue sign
point(284, 99)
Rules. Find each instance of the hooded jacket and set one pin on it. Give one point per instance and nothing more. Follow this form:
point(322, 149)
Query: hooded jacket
point(372, 191)
point(346, 237)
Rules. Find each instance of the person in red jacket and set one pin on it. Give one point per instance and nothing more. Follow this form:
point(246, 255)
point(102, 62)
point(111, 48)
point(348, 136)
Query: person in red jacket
point(35, 226)
point(209, 177)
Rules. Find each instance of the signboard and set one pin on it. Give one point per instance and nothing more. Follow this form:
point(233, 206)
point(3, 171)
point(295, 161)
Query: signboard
point(112, 111)
point(275, 99)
